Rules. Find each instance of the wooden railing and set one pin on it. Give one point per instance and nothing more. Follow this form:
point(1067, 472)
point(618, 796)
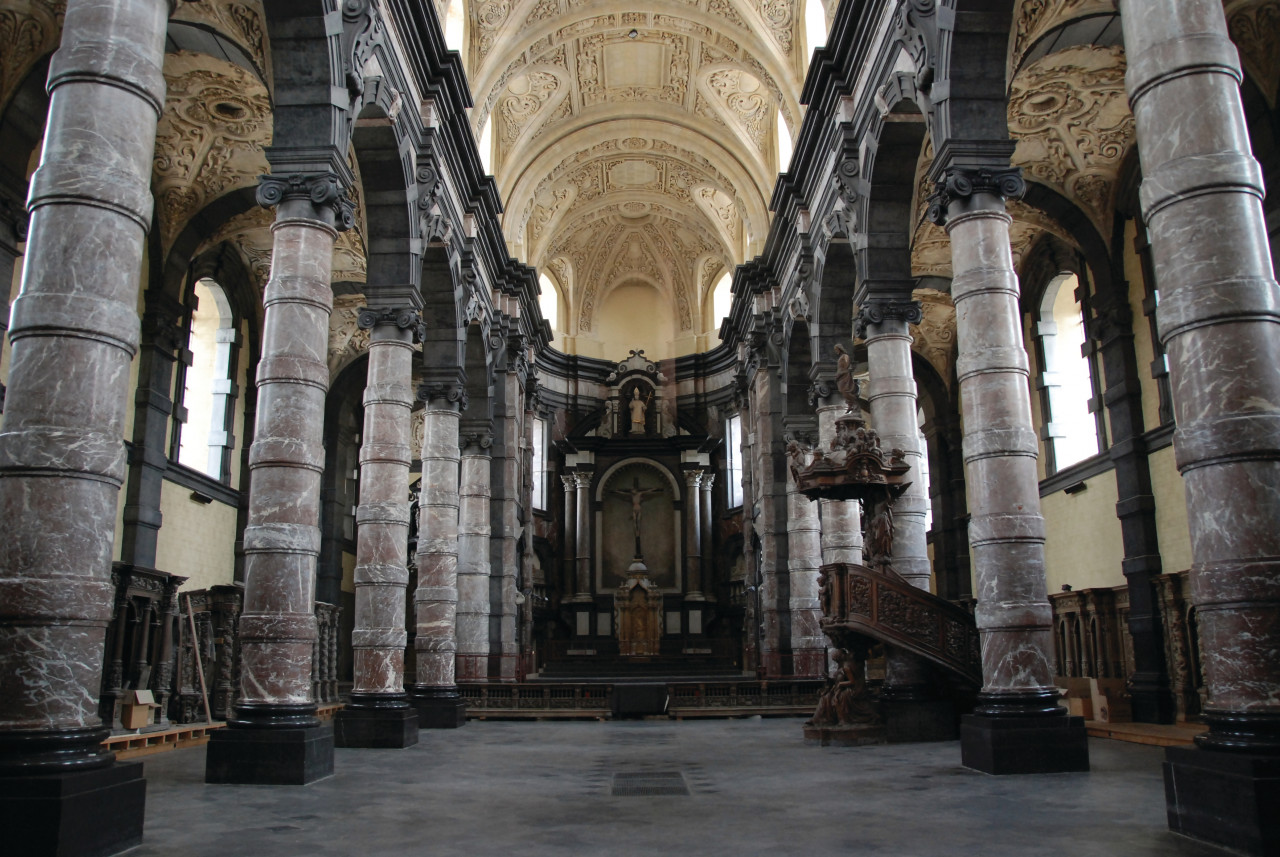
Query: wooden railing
point(857, 600)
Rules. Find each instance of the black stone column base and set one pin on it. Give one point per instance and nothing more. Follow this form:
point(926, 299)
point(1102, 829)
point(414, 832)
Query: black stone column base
point(1227, 798)
point(275, 757)
point(1033, 744)
point(438, 709)
point(77, 814)
point(910, 721)
point(394, 728)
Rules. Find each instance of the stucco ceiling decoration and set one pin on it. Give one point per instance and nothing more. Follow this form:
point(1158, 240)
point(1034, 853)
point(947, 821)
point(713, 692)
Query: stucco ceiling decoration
point(934, 338)
point(210, 139)
point(242, 22)
point(1035, 18)
point(635, 145)
point(1253, 26)
point(1069, 114)
point(29, 29)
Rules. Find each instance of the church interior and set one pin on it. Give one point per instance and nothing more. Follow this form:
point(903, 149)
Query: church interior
point(868, 374)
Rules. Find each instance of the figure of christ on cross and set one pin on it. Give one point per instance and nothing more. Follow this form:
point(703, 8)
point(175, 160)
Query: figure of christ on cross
point(637, 496)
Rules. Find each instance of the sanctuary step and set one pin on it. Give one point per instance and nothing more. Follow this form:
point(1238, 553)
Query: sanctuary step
point(617, 668)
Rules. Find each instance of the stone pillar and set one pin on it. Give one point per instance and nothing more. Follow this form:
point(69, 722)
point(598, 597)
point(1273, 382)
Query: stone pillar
point(771, 524)
point(274, 735)
point(582, 481)
point(1017, 726)
point(804, 543)
point(504, 510)
point(13, 231)
point(693, 535)
point(74, 331)
point(1202, 201)
point(569, 544)
point(910, 705)
point(473, 552)
point(841, 519)
point(379, 714)
point(708, 554)
point(435, 691)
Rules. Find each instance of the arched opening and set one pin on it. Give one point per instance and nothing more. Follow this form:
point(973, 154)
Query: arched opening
point(1070, 429)
point(721, 300)
point(549, 302)
point(204, 439)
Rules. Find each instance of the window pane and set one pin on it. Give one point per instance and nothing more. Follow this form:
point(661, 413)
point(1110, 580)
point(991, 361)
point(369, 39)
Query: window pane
point(733, 460)
point(539, 464)
point(1072, 428)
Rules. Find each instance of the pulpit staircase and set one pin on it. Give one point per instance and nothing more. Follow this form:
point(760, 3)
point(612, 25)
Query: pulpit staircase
point(862, 604)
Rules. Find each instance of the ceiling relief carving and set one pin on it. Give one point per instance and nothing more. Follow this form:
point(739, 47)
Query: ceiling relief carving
point(29, 29)
point(241, 22)
point(1035, 18)
point(346, 340)
point(1070, 117)
point(625, 138)
point(210, 139)
point(934, 338)
point(250, 232)
point(1253, 27)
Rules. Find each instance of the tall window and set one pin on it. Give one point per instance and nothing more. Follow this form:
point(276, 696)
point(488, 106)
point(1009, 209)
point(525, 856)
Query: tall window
point(539, 499)
point(1071, 430)
point(721, 299)
point(205, 435)
point(733, 460)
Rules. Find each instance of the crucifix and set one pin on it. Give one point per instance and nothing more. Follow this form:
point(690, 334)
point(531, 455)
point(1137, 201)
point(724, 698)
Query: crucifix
point(637, 497)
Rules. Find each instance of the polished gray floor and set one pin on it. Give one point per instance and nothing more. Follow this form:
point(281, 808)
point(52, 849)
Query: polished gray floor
point(754, 787)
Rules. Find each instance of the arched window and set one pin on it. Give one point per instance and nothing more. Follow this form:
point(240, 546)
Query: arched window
point(925, 479)
point(815, 26)
point(733, 461)
point(204, 434)
point(549, 301)
point(784, 143)
point(721, 300)
point(541, 468)
point(1071, 429)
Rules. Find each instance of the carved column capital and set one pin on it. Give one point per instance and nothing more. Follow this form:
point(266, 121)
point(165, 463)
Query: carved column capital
point(452, 393)
point(321, 190)
point(876, 310)
point(693, 478)
point(404, 318)
point(475, 440)
point(962, 183)
point(582, 479)
point(708, 479)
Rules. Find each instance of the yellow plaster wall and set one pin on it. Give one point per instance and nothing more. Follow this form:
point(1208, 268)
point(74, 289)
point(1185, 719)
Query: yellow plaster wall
point(348, 572)
point(197, 540)
point(1083, 546)
point(1171, 512)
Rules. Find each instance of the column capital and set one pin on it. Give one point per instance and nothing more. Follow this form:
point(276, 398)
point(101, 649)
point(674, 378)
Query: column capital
point(475, 440)
point(693, 478)
point(404, 318)
point(453, 393)
point(708, 479)
point(961, 184)
point(582, 479)
point(320, 190)
point(880, 309)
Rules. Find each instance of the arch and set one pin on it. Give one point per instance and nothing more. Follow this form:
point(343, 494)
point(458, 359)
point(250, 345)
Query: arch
point(636, 459)
point(831, 299)
point(891, 150)
point(386, 174)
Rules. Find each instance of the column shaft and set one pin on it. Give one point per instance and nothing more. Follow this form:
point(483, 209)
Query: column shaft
point(707, 585)
point(582, 480)
point(804, 544)
point(1006, 531)
point(382, 519)
point(569, 544)
point(282, 539)
point(1202, 201)
point(436, 600)
point(841, 519)
point(74, 330)
point(693, 534)
point(473, 557)
point(504, 557)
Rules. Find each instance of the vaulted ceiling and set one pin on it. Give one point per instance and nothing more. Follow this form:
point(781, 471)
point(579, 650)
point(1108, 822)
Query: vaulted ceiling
point(635, 148)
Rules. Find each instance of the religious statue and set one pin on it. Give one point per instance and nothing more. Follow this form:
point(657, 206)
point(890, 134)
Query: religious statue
point(638, 408)
point(845, 382)
point(846, 701)
point(637, 496)
point(879, 547)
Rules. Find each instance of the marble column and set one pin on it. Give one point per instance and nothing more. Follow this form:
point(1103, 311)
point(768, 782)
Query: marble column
point(804, 545)
point(1219, 306)
point(582, 481)
point(708, 554)
point(13, 231)
point(473, 552)
point(504, 554)
point(841, 520)
point(569, 545)
point(379, 714)
point(1017, 726)
point(435, 691)
point(74, 331)
point(771, 523)
point(693, 535)
point(909, 700)
point(273, 735)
